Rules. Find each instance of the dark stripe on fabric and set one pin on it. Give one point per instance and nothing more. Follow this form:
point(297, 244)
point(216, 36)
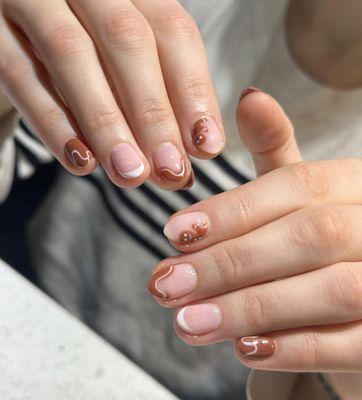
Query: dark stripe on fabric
point(137, 210)
point(222, 162)
point(150, 194)
point(33, 160)
point(122, 224)
point(188, 196)
point(206, 181)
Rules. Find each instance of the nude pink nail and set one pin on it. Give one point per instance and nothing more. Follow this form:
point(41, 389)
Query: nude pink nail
point(127, 161)
point(169, 163)
point(199, 319)
point(207, 136)
point(173, 282)
point(187, 228)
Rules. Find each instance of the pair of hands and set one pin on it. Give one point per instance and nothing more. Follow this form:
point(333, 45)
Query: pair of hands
point(120, 82)
point(275, 265)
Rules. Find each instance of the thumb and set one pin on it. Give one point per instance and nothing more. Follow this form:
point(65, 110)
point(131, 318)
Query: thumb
point(266, 131)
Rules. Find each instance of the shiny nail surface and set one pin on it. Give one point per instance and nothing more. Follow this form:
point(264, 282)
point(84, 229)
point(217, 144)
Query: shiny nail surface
point(187, 229)
point(173, 282)
point(169, 163)
point(126, 161)
point(78, 153)
point(256, 347)
point(199, 319)
point(207, 137)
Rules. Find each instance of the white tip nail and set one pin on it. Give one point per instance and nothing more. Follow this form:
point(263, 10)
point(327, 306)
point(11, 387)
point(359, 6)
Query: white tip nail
point(181, 322)
point(135, 173)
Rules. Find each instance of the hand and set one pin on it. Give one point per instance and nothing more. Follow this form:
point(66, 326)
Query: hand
point(275, 265)
point(119, 81)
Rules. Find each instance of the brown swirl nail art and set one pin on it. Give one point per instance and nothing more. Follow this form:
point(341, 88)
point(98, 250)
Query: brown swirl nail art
point(173, 176)
point(199, 133)
point(153, 286)
point(256, 347)
point(198, 231)
point(78, 153)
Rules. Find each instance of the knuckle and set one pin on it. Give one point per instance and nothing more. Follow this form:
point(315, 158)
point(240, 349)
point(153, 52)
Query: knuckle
point(322, 230)
point(309, 179)
point(343, 288)
point(255, 310)
point(152, 112)
point(66, 42)
point(176, 22)
point(230, 264)
point(127, 31)
point(102, 118)
point(48, 120)
point(311, 349)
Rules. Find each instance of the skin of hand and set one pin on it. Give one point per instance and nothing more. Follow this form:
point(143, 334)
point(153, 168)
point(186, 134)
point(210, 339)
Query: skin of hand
point(274, 265)
point(121, 82)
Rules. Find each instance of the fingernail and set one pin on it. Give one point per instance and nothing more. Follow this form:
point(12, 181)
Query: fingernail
point(169, 163)
point(187, 228)
point(173, 282)
point(247, 91)
point(190, 182)
point(256, 347)
point(207, 136)
point(199, 319)
point(127, 161)
point(78, 153)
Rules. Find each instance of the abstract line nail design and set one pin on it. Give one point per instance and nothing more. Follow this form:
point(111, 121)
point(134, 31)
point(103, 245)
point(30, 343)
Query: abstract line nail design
point(169, 163)
point(78, 153)
point(206, 136)
point(173, 282)
point(256, 347)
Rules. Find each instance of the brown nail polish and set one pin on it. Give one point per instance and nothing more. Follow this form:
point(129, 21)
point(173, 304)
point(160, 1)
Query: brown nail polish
point(78, 153)
point(156, 278)
point(190, 182)
point(256, 347)
point(206, 136)
point(169, 163)
point(197, 232)
point(247, 91)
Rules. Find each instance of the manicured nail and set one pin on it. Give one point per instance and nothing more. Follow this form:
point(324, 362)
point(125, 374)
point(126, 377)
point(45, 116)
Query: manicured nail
point(206, 136)
point(247, 91)
point(173, 282)
point(187, 228)
point(78, 153)
point(199, 319)
point(127, 161)
point(256, 347)
point(190, 182)
point(169, 163)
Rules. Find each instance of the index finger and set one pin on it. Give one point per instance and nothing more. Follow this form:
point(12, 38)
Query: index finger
point(269, 197)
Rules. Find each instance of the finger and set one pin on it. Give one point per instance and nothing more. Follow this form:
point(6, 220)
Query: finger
point(305, 240)
point(185, 70)
point(323, 297)
point(71, 59)
point(266, 131)
point(332, 348)
point(128, 49)
point(26, 83)
point(278, 193)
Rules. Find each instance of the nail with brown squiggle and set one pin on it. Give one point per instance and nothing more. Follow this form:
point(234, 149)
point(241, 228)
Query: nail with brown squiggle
point(78, 153)
point(206, 136)
point(169, 163)
point(256, 347)
point(187, 229)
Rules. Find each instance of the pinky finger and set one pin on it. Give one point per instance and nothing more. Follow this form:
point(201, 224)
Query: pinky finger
point(28, 86)
point(336, 348)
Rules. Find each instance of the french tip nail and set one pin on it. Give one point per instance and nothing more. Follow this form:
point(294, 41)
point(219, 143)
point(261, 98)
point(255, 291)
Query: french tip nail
point(247, 91)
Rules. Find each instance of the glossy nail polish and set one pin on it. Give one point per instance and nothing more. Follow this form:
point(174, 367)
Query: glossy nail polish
point(207, 137)
point(173, 282)
point(169, 163)
point(127, 162)
point(247, 91)
point(187, 229)
point(199, 319)
point(256, 347)
point(78, 153)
